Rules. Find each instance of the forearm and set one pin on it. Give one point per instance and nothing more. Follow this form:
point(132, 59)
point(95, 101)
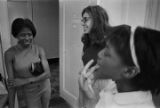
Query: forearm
point(85, 98)
point(43, 76)
point(90, 94)
point(88, 89)
point(81, 98)
point(11, 94)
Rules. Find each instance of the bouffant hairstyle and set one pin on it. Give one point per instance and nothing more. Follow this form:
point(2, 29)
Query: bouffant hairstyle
point(20, 23)
point(147, 49)
point(99, 28)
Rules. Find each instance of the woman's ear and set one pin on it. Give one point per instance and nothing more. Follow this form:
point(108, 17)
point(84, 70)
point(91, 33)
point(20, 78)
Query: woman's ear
point(130, 72)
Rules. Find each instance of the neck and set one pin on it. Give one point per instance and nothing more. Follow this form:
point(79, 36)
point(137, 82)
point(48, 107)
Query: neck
point(23, 47)
point(125, 86)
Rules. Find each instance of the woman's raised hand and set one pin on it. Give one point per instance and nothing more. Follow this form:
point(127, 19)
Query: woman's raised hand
point(86, 78)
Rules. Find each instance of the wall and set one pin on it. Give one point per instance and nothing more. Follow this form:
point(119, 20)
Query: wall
point(132, 12)
point(4, 25)
point(116, 10)
point(4, 32)
point(153, 14)
point(46, 18)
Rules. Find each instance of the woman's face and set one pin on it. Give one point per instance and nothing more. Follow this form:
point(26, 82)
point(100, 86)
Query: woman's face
point(87, 22)
point(110, 64)
point(25, 37)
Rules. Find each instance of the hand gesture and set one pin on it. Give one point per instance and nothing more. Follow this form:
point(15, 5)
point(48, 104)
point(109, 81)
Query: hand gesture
point(86, 78)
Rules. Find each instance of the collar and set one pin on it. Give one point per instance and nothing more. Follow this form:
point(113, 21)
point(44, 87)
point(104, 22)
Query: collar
point(136, 97)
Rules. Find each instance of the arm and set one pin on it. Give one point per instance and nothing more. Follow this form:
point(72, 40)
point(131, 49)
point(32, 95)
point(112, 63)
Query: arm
point(46, 73)
point(9, 68)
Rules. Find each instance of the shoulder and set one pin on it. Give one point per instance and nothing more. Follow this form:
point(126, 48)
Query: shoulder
point(40, 49)
point(10, 53)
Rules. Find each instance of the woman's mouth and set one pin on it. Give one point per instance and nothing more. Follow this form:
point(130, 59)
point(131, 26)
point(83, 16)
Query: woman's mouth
point(85, 28)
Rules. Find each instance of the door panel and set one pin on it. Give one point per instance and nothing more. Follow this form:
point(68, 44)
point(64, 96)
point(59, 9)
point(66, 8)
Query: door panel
point(71, 47)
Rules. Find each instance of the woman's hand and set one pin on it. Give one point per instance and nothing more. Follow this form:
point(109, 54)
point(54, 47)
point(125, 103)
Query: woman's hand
point(86, 78)
point(17, 82)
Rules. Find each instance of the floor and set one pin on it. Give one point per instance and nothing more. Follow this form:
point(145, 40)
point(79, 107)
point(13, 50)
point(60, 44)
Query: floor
point(58, 102)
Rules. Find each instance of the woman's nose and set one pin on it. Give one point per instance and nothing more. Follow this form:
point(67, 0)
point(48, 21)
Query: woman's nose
point(82, 23)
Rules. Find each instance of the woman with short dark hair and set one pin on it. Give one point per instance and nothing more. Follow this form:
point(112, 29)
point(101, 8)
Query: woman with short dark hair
point(27, 67)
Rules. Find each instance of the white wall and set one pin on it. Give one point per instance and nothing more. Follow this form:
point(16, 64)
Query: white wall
point(153, 14)
point(116, 10)
point(132, 12)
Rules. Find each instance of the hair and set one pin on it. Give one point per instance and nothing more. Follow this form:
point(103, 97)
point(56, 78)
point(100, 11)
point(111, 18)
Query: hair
point(19, 24)
point(99, 28)
point(147, 42)
point(119, 37)
point(148, 55)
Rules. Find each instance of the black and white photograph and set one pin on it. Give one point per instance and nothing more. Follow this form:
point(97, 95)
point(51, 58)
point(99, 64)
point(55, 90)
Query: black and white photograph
point(79, 53)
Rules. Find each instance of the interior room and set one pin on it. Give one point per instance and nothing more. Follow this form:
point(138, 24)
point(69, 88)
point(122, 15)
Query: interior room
point(59, 32)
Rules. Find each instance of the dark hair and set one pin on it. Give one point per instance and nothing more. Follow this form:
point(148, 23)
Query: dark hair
point(147, 48)
point(147, 43)
point(119, 37)
point(20, 23)
point(99, 28)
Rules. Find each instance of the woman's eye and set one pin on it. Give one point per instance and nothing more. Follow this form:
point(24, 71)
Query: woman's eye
point(23, 35)
point(85, 19)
